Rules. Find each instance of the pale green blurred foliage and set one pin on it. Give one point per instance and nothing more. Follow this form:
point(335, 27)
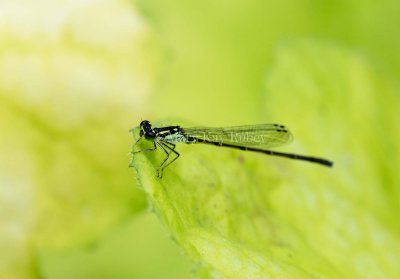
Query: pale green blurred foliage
point(74, 77)
point(138, 249)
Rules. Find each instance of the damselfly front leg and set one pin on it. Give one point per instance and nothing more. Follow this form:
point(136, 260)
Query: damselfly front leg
point(147, 149)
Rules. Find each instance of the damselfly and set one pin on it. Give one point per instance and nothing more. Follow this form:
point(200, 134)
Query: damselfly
point(255, 138)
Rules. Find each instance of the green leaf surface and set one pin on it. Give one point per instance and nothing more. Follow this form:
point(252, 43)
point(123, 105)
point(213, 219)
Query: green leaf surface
point(244, 215)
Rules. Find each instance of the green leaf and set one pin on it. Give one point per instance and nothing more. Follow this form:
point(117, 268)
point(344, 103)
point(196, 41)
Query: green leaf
point(244, 215)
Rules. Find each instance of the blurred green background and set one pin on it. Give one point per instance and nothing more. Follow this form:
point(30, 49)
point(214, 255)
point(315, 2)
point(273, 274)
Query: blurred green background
point(75, 76)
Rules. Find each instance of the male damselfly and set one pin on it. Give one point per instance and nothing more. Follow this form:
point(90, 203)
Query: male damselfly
point(257, 138)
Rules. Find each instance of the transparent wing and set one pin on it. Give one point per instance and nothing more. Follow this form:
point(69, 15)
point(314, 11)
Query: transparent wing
point(262, 136)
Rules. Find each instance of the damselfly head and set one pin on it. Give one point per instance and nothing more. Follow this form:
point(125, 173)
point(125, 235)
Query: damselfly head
point(145, 123)
point(146, 130)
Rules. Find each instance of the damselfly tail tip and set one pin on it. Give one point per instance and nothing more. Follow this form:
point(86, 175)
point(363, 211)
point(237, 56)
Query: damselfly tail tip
point(326, 163)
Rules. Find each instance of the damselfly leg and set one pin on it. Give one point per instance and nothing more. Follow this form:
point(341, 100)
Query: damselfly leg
point(167, 147)
point(144, 150)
